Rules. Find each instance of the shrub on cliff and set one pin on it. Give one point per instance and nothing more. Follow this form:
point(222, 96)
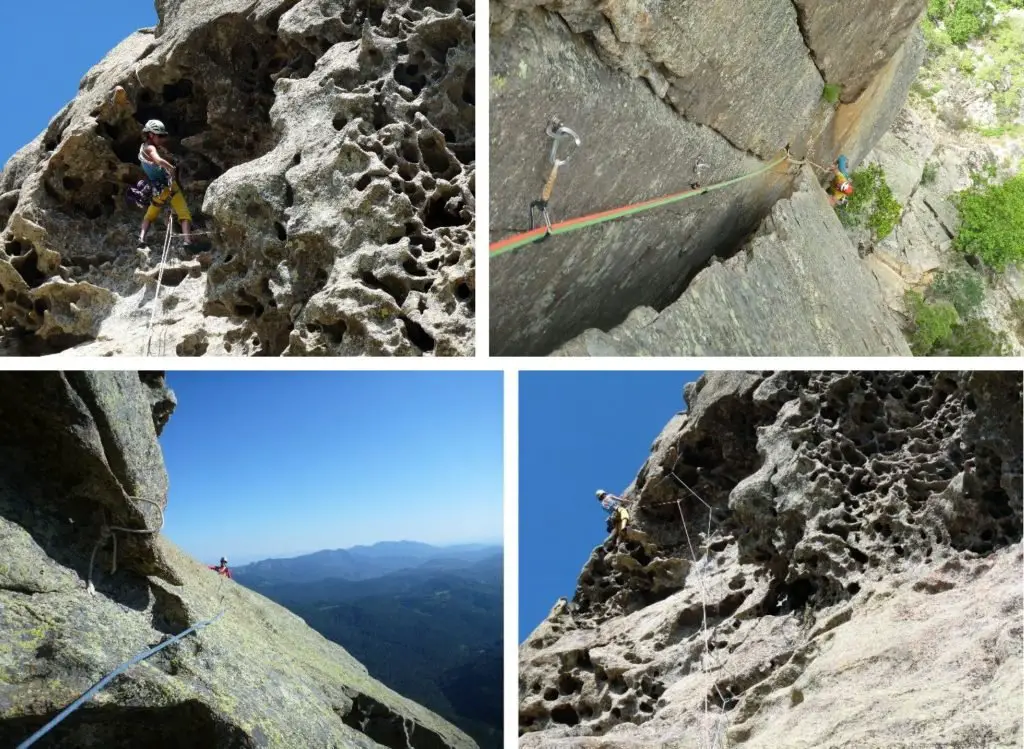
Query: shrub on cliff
point(992, 222)
point(872, 203)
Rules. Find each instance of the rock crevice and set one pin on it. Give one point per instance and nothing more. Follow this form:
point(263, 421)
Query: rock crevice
point(741, 87)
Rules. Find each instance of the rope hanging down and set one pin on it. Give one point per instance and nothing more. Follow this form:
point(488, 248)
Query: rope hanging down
point(110, 677)
point(159, 282)
point(564, 227)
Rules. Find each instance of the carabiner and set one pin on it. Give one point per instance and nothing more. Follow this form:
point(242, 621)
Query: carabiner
point(560, 132)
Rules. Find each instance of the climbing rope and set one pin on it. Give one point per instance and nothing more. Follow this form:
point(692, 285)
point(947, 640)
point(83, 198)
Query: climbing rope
point(108, 530)
point(536, 235)
point(713, 742)
point(110, 677)
point(159, 282)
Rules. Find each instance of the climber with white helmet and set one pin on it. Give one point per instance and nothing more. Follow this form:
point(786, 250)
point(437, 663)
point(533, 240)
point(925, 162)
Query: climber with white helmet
point(618, 516)
point(222, 568)
point(842, 186)
point(162, 176)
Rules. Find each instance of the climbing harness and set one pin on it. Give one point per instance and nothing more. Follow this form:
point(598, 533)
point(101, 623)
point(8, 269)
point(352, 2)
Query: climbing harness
point(139, 195)
point(535, 235)
point(558, 133)
point(110, 677)
point(108, 530)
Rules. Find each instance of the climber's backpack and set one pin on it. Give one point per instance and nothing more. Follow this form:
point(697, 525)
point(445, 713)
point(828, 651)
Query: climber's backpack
point(140, 195)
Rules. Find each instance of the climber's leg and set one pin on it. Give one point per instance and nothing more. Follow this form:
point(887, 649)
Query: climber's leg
point(152, 214)
point(185, 217)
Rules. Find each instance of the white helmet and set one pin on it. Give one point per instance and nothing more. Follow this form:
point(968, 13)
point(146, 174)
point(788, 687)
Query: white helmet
point(156, 127)
point(601, 494)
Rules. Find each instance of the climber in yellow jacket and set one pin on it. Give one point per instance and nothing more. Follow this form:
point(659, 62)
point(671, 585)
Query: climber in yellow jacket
point(618, 518)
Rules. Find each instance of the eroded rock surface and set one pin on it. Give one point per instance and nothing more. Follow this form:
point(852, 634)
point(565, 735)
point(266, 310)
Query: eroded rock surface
point(654, 90)
point(844, 527)
point(330, 146)
point(80, 453)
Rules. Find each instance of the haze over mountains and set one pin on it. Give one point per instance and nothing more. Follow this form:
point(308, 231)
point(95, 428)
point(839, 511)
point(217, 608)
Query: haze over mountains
point(426, 620)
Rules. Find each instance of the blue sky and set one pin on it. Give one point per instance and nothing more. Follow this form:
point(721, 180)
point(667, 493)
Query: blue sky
point(49, 48)
point(266, 464)
point(579, 432)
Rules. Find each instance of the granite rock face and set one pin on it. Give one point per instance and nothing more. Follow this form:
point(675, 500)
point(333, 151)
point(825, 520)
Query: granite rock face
point(777, 295)
point(804, 569)
point(851, 42)
point(80, 457)
point(663, 95)
point(330, 147)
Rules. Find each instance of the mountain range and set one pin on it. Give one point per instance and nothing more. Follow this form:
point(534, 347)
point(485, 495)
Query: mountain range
point(426, 620)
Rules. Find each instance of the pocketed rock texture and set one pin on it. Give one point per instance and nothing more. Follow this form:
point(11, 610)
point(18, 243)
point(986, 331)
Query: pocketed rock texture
point(330, 146)
point(655, 89)
point(780, 291)
point(856, 553)
point(78, 449)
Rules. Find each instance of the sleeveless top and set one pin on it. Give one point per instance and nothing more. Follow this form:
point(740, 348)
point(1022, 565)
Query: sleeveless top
point(154, 172)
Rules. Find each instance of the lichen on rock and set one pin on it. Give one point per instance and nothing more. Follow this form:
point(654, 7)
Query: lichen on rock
point(80, 454)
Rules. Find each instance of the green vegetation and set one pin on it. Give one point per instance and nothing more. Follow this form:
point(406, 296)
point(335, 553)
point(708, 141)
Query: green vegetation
point(1001, 130)
point(872, 203)
point(832, 92)
point(963, 288)
point(1005, 71)
point(992, 221)
point(929, 173)
point(998, 63)
point(932, 323)
point(963, 19)
point(945, 320)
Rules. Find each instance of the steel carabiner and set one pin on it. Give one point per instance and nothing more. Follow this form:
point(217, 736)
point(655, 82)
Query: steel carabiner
point(559, 132)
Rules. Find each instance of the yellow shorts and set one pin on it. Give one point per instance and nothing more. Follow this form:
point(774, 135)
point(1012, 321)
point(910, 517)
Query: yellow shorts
point(172, 193)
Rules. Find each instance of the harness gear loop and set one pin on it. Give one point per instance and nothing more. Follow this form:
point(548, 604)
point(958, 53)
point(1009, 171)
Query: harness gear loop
point(558, 133)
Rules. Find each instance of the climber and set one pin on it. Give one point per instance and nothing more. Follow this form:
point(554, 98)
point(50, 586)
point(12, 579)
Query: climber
point(842, 186)
point(618, 516)
point(222, 568)
point(162, 176)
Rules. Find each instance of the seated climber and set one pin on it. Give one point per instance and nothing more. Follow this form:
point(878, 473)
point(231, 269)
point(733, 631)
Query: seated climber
point(222, 568)
point(842, 186)
point(162, 175)
point(618, 516)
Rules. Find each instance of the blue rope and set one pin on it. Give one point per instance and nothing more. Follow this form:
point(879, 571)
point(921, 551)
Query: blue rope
point(108, 678)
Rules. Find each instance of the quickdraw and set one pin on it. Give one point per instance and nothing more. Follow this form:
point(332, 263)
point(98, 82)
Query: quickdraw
point(558, 133)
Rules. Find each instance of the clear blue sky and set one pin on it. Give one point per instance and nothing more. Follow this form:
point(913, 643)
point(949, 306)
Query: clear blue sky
point(49, 47)
point(266, 464)
point(579, 432)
